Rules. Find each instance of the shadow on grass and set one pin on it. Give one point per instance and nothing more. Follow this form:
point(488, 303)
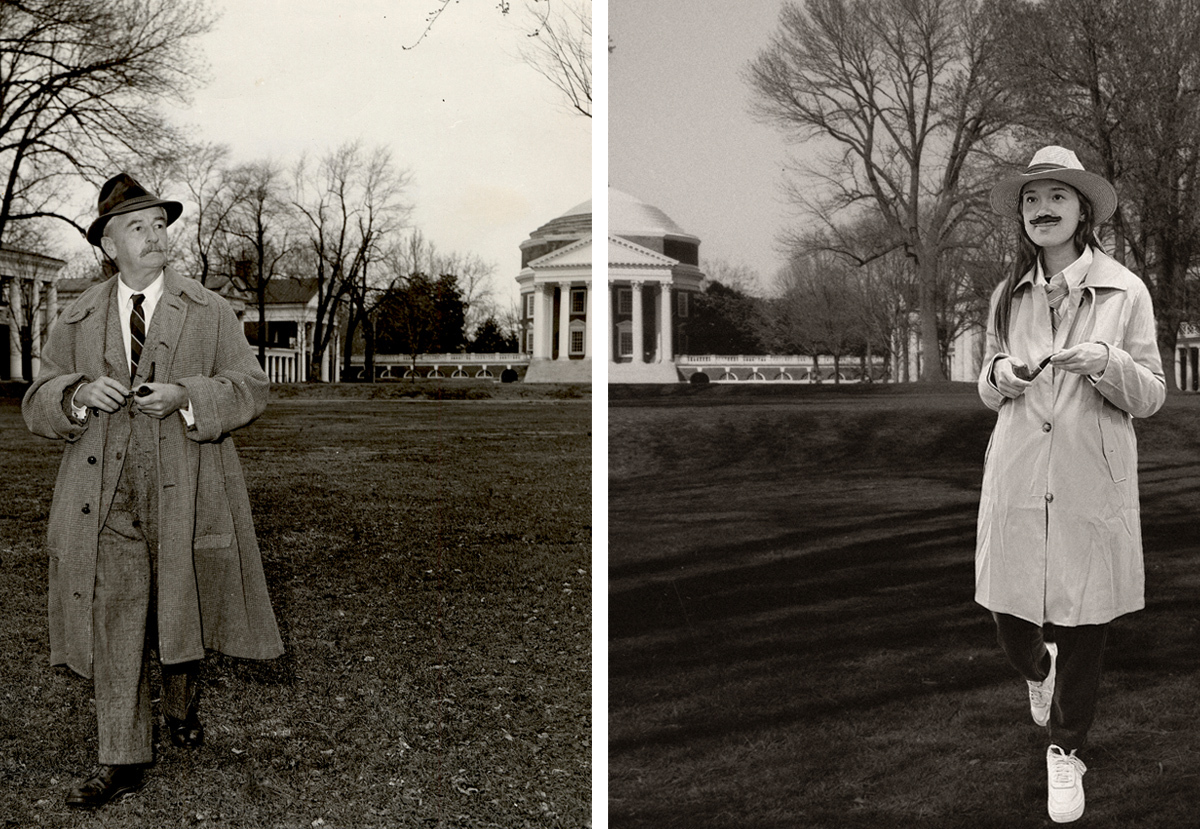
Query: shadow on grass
point(794, 642)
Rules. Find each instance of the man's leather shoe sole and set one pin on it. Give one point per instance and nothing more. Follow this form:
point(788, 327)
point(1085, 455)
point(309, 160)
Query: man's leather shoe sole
point(107, 784)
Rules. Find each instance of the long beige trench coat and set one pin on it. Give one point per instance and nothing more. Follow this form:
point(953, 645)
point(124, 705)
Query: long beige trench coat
point(1059, 534)
point(211, 588)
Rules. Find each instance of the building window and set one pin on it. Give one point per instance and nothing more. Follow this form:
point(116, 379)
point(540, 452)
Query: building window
point(529, 300)
point(578, 300)
point(576, 341)
point(681, 304)
point(528, 342)
point(625, 301)
point(625, 339)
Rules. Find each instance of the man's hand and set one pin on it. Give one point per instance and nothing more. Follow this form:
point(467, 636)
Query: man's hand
point(105, 394)
point(1009, 384)
point(163, 399)
point(1085, 358)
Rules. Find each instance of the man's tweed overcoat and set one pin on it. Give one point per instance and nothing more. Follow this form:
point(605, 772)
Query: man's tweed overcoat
point(1060, 537)
point(211, 588)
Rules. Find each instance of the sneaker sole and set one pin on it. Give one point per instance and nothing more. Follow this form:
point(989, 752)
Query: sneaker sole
point(1067, 817)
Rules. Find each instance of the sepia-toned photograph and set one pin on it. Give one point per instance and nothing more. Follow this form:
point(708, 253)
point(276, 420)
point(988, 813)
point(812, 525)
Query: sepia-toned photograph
point(903, 434)
point(295, 414)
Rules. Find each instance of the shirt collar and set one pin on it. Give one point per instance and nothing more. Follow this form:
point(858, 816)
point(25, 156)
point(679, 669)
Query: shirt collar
point(152, 292)
point(1075, 273)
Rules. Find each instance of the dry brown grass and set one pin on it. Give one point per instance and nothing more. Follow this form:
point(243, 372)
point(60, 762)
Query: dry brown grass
point(430, 567)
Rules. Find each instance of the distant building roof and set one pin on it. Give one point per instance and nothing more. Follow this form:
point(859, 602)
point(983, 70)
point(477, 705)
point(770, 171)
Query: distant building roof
point(283, 291)
point(631, 217)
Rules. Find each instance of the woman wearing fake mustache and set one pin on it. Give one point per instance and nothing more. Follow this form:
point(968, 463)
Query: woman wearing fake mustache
point(1071, 359)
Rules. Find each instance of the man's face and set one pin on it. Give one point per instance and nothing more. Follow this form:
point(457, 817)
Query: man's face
point(137, 241)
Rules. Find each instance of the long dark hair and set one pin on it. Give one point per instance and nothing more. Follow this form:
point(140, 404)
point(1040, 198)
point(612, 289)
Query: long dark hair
point(1027, 256)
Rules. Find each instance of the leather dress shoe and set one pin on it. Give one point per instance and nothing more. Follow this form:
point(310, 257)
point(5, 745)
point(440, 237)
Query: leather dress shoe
point(186, 733)
point(107, 783)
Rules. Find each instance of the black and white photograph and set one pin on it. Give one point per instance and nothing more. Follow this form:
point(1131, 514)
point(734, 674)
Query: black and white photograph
point(903, 433)
point(296, 414)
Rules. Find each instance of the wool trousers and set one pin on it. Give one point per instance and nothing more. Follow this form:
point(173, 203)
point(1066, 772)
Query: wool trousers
point(1077, 675)
point(123, 614)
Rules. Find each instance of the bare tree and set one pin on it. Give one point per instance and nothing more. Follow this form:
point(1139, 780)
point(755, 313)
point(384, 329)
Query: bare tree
point(80, 81)
point(254, 223)
point(905, 93)
point(558, 44)
point(348, 203)
point(559, 48)
point(1120, 80)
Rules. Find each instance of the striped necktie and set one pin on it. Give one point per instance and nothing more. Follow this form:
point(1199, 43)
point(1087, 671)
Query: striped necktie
point(137, 335)
point(1056, 292)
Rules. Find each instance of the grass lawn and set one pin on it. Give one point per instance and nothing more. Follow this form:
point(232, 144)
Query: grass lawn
point(430, 565)
point(793, 637)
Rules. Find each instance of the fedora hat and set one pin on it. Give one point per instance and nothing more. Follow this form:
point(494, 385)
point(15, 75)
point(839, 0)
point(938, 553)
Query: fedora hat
point(121, 194)
point(1063, 165)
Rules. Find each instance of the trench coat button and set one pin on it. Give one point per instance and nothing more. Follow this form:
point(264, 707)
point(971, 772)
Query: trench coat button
point(1049, 497)
point(87, 508)
point(1046, 427)
point(77, 594)
point(92, 459)
point(118, 456)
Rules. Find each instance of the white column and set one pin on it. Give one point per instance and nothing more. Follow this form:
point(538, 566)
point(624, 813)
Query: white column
point(612, 325)
point(564, 321)
point(639, 321)
point(35, 311)
point(667, 354)
point(587, 321)
point(14, 328)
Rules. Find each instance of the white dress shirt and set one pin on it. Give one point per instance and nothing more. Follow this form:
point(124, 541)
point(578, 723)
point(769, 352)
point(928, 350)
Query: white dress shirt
point(151, 295)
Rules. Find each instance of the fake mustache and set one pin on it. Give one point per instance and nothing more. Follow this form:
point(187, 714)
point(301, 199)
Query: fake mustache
point(1045, 220)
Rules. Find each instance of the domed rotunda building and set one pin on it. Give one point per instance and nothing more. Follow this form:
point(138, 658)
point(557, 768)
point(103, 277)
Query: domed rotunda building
point(556, 298)
point(653, 273)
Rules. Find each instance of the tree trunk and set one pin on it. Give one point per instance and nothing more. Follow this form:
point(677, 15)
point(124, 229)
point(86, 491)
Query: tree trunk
point(262, 326)
point(931, 360)
point(368, 349)
point(352, 320)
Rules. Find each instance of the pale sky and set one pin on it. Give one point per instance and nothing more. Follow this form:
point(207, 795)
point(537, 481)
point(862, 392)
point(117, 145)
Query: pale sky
point(492, 150)
point(680, 136)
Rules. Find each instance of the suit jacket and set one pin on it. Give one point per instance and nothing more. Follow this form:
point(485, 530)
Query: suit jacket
point(211, 589)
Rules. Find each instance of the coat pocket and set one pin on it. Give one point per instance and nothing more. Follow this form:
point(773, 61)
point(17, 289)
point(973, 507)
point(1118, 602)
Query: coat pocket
point(1113, 442)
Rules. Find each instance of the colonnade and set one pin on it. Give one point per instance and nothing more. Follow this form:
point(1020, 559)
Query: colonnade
point(543, 319)
point(663, 322)
point(42, 318)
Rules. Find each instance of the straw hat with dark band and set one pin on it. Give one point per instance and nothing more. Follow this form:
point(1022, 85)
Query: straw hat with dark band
point(121, 194)
point(1059, 164)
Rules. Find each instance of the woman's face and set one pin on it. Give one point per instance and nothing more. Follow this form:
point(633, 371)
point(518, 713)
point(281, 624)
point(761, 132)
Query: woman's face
point(1051, 211)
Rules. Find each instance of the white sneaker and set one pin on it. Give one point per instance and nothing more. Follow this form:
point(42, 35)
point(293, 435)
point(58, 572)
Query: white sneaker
point(1064, 775)
point(1041, 694)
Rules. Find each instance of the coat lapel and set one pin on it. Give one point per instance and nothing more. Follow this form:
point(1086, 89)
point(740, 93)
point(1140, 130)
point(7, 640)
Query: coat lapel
point(109, 332)
point(167, 325)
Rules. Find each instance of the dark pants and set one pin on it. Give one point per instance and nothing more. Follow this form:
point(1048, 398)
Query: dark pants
point(1077, 682)
point(123, 622)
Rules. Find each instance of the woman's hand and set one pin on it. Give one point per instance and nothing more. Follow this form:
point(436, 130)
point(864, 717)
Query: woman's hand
point(1085, 358)
point(1009, 384)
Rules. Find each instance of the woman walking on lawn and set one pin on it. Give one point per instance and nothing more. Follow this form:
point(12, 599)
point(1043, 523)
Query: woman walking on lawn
point(1072, 357)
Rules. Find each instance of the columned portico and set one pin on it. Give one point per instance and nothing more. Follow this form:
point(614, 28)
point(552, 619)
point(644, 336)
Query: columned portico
point(653, 268)
point(556, 301)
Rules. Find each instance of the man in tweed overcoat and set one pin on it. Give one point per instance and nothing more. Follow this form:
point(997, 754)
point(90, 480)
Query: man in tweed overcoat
point(151, 543)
